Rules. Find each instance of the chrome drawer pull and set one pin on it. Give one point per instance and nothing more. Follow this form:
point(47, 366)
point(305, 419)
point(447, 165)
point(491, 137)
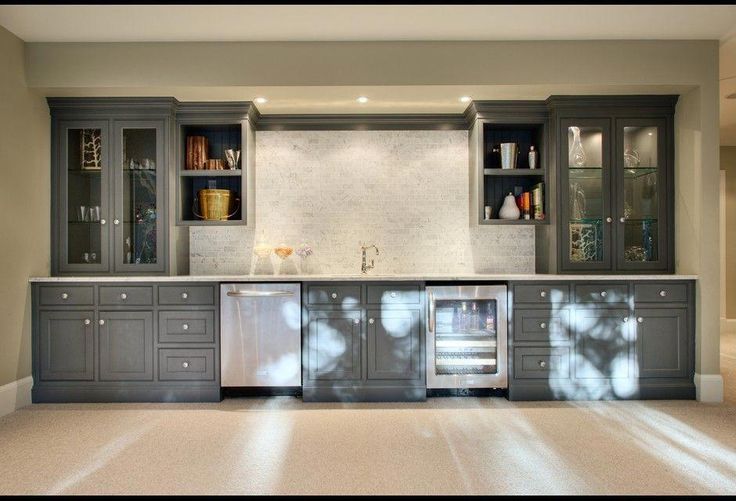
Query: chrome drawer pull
point(626, 320)
point(185, 364)
point(371, 321)
point(356, 321)
point(393, 294)
point(185, 327)
point(64, 295)
point(543, 325)
point(640, 320)
point(663, 293)
point(543, 294)
point(604, 293)
point(542, 364)
point(333, 295)
point(184, 295)
point(102, 322)
point(123, 296)
point(87, 321)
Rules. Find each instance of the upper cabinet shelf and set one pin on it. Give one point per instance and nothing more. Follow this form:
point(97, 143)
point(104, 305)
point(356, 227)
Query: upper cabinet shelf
point(513, 172)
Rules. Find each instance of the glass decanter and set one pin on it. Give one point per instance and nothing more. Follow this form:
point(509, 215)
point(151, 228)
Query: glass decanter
point(577, 152)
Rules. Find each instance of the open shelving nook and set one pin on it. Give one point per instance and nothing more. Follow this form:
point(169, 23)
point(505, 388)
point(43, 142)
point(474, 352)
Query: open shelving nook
point(226, 126)
point(496, 183)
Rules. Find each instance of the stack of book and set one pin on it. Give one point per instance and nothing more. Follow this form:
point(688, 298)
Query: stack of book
point(531, 203)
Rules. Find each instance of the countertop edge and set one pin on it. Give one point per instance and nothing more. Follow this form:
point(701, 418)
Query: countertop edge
point(500, 277)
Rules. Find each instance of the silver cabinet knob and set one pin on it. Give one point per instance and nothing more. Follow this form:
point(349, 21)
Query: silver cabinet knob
point(543, 325)
point(185, 364)
point(626, 320)
point(102, 322)
point(333, 295)
point(184, 295)
point(662, 293)
point(609, 219)
point(103, 221)
point(116, 222)
point(640, 320)
point(64, 295)
point(371, 321)
point(604, 293)
point(87, 321)
point(185, 327)
point(543, 294)
point(393, 294)
point(356, 321)
point(123, 296)
point(542, 364)
point(622, 219)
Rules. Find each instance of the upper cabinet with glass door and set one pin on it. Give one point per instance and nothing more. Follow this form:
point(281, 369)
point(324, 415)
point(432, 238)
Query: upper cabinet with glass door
point(109, 163)
point(615, 170)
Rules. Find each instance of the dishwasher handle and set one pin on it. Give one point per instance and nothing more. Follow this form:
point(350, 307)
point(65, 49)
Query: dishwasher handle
point(259, 293)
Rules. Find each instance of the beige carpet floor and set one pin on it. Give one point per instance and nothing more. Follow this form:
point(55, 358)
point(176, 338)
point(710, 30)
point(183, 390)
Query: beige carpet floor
point(443, 446)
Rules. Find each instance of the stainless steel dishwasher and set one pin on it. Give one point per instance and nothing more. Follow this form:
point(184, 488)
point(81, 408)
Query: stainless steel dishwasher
point(260, 335)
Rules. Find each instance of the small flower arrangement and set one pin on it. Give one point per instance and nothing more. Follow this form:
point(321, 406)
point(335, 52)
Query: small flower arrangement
point(304, 251)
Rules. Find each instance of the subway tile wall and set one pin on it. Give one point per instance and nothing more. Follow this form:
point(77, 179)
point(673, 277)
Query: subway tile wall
point(404, 191)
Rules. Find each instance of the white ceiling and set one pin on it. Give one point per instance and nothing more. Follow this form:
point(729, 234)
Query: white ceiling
point(148, 23)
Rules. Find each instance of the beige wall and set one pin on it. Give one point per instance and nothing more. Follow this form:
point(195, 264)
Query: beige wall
point(728, 164)
point(24, 206)
point(692, 65)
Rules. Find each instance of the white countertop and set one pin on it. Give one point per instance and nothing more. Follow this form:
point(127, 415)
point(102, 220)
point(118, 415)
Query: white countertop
point(499, 277)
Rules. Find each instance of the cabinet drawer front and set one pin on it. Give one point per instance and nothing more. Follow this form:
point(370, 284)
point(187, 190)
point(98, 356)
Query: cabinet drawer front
point(184, 364)
point(126, 296)
point(192, 294)
point(394, 294)
point(62, 296)
point(186, 327)
point(346, 295)
point(660, 292)
point(541, 325)
point(542, 293)
point(602, 293)
point(541, 363)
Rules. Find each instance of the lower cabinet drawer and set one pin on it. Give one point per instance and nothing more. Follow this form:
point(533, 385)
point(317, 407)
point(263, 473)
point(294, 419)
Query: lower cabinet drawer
point(541, 325)
point(195, 294)
point(66, 296)
point(186, 326)
point(334, 294)
point(186, 364)
point(126, 296)
point(660, 292)
point(541, 363)
point(393, 294)
point(602, 293)
point(542, 293)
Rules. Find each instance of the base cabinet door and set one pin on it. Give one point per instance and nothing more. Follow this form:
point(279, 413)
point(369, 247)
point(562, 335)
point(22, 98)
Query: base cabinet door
point(126, 345)
point(66, 345)
point(393, 338)
point(334, 341)
point(604, 344)
point(662, 342)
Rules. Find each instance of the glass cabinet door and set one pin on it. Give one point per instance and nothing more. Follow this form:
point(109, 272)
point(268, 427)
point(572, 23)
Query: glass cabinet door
point(139, 178)
point(84, 207)
point(586, 197)
point(640, 159)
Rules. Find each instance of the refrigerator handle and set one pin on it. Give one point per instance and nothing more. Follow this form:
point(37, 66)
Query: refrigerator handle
point(431, 312)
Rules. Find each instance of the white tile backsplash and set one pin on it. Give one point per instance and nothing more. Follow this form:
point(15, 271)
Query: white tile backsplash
point(405, 191)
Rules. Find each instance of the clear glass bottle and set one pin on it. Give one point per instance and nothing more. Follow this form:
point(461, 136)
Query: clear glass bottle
point(464, 320)
point(577, 152)
point(490, 319)
point(474, 317)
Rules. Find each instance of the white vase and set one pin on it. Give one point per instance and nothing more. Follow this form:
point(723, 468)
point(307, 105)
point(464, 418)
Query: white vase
point(509, 209)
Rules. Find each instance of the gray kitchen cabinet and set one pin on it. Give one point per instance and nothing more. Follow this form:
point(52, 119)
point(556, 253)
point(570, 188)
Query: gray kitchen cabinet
point(334, 345)
point(92, 345)
point(662, 342)
point(365, 344)
point(636, 341)
point(65, 341)
point(393, 344)
point(108, 185)
point(615, 171)
point(126, 345)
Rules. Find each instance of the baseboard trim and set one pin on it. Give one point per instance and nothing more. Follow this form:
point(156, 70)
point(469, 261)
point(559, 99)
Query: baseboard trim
point(15, 395)
point(709, 388)
point(728, 324)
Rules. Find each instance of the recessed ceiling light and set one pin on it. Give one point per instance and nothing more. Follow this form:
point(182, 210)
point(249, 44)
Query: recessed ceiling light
point(466, 99)
point(362, 99)
point(260, 100)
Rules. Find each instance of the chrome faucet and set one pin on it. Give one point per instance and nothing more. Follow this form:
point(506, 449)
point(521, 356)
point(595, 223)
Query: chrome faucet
point(364, 267)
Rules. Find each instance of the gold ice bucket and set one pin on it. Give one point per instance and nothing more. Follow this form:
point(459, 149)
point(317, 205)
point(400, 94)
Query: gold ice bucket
point(215, 205)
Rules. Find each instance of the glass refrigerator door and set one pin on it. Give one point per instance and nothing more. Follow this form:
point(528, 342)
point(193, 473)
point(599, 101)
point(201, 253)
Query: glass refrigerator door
point(466, 340)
